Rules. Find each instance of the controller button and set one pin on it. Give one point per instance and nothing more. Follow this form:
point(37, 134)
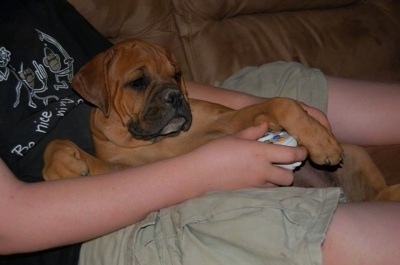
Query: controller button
point(276, 137)
point(280, 139)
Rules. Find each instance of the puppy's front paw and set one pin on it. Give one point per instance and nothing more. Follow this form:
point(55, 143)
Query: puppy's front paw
point(322, 146)
point(63, 159)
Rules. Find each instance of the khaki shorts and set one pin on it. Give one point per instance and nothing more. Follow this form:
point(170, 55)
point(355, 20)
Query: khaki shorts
point(253, 226)
point(282, 79)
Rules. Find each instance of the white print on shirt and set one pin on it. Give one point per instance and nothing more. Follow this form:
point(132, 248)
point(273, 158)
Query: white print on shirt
point(36, 83)
point(63, 108)
point(4, 59)
point(33, 78)
point(43, 123)
point(53, 61)
point(20, 150)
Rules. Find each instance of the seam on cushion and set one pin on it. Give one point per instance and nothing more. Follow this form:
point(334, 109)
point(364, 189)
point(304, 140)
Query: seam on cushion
point(186, 40)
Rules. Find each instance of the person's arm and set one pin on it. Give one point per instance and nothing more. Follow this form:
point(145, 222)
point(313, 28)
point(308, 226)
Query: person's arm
point(54, 213)
point(237, 100)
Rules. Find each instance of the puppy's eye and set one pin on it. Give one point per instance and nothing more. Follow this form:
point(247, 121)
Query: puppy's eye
point(178, 76)
point(138, 84)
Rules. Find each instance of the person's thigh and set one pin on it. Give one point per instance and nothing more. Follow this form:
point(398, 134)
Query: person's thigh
point(363, 112)
point(363, 233)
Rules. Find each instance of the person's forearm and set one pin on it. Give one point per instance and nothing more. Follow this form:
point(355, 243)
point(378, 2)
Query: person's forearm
point(76, 210)
point(54, 213)
point(238, 100)
point(229, 98)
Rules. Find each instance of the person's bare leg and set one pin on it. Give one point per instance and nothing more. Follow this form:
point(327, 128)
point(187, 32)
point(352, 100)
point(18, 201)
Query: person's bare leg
point(363, 112)
point(363, 233)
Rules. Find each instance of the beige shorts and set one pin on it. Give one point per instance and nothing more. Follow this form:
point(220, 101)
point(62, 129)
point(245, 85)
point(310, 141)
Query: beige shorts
point(282, 79)
point(253, 226)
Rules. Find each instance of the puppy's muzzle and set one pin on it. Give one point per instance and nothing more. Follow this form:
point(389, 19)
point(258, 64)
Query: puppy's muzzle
point(167, 113)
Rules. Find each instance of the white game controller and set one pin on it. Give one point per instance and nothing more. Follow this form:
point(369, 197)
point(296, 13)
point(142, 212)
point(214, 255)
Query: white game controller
point(281, 138)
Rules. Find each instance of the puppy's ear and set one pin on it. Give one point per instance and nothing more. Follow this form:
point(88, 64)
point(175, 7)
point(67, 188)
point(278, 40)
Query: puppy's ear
point(91, 81)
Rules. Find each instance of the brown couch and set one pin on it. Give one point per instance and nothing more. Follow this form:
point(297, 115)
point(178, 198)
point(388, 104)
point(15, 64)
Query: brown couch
point(213, 39)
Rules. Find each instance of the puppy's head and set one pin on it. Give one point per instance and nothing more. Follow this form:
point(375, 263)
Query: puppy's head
point(140, 85)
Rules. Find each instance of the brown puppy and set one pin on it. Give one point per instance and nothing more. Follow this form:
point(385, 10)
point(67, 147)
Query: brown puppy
point(143, 114)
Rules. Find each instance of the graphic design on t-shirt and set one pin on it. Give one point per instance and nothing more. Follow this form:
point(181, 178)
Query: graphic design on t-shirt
point(33, 80)
point(4, 59)
point(52, 60)
point(40, 89)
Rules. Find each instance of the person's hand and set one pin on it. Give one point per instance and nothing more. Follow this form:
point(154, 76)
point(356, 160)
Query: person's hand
point(240, 161)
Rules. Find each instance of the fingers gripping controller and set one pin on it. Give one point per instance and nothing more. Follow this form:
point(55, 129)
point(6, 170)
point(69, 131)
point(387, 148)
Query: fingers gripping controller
point(281, 138)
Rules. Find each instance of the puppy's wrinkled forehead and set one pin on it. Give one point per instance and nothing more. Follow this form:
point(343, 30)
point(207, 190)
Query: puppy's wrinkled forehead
point(142, 58)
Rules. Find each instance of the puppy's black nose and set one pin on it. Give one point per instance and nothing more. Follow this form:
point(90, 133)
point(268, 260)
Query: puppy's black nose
point(173, 97)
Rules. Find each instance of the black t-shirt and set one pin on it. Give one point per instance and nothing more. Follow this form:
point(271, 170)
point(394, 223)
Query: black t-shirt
point(42, 44)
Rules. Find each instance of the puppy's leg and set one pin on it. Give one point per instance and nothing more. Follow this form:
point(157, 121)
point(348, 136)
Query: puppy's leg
point(358, 175)
point(288, 114)
point(64, 159)
point(391, 193)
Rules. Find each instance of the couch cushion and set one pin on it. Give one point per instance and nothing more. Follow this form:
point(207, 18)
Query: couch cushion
point(230, 8)
point(220, 37)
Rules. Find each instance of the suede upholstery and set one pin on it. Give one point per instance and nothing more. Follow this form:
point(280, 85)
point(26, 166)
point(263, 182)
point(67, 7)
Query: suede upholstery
point(213, 39)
